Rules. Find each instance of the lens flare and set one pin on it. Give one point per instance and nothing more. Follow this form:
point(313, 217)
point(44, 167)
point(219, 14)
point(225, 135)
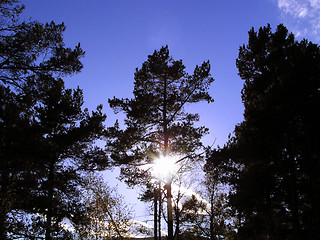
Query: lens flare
point(165, 167)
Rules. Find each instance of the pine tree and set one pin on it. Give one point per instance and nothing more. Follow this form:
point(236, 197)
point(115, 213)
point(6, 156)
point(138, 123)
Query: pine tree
point(274, 153)
point(156, 122)
point(46, 137)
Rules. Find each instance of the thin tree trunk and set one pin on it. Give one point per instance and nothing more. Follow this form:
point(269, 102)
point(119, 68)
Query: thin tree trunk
point(4, 196)
point(177, 218)
point(114, 223)
point(155, 211)
point(50, 201)
point(160, 206)
point(166, 148)
point(212, 235)
point(169, 208)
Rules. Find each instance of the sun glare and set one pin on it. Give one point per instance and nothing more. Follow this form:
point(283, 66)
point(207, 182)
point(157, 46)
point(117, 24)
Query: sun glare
point(165, 167)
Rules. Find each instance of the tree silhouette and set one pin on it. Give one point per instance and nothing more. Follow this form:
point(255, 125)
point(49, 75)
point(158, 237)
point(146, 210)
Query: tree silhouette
point(156, 122)
point(45, 136)
point(272, 160)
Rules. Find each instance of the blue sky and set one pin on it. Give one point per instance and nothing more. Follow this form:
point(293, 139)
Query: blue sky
point(117, 36)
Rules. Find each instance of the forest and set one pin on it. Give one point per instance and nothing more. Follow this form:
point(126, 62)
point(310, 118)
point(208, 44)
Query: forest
point(264, 183)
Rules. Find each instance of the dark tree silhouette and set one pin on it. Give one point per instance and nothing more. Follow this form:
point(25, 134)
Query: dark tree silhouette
point(273, 159)
point(156, 122)
point(45, 135)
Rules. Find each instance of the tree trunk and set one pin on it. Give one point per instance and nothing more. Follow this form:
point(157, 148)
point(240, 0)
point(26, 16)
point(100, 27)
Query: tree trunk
point(166, 148)
point(169, 208)
point(212, 235)
point(160, 207)
point(3, 209)
point(155, 211)
point(50, 201)
point(177, 218)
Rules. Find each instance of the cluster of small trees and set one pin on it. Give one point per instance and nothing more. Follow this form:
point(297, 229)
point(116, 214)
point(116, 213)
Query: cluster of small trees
point(262, 184)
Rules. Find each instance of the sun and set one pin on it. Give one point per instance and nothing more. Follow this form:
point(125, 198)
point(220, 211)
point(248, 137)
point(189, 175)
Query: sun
point(164, 168)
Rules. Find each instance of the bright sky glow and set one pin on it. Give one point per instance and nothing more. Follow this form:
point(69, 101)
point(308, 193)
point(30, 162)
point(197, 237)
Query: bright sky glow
point(164, 168)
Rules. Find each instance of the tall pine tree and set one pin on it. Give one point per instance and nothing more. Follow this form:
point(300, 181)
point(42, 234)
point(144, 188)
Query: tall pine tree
point(274, 155)
point(45, 136)
point(156, 122)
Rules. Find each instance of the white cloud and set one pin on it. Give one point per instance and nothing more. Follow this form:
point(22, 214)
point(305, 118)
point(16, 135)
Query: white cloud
point(302, 16)
point(315, 3)
point(146, 226)
point(295, 8)
point(188, 192)
point(141, 223)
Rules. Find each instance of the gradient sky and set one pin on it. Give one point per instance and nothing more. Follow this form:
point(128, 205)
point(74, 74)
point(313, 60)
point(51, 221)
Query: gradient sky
point(118, 35)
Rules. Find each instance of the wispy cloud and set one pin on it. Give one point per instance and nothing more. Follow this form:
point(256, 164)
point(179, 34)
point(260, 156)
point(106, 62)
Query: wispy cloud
point(146, 229)
point(188, 192)
point(302, 16)
point(141, 223)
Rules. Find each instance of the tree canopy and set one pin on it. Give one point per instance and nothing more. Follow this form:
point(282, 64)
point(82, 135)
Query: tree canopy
point(46, 137)
point(48, 149)
point(272, 160)
point(156, 123)
point(162, 89)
